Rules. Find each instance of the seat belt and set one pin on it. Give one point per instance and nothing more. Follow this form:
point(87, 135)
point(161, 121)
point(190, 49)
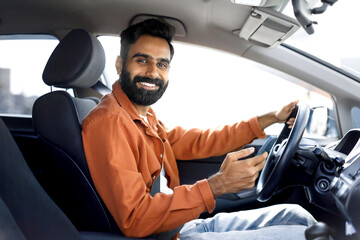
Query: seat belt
point(155, 188)
point(169, 235)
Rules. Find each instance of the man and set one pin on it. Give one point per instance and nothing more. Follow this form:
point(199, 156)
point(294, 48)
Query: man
point(128, 149)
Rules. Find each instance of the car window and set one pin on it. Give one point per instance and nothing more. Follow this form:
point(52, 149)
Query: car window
point(209, 88)
point(335, 40)
point(22, 61)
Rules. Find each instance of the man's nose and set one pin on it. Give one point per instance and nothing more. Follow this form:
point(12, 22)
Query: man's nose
point(152, 71)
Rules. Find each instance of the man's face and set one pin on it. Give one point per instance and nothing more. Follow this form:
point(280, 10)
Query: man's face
point(144, 75)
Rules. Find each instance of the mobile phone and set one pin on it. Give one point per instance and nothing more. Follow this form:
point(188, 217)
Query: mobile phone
point(266, 147)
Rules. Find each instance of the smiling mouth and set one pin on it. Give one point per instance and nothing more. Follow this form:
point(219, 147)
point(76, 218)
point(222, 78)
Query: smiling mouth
point(149, 86)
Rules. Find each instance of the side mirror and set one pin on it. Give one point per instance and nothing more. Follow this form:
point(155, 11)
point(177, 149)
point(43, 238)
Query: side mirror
point(318, 121)
point(322, 123)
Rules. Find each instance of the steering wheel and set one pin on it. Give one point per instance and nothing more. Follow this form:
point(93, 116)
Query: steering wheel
point(281, 154)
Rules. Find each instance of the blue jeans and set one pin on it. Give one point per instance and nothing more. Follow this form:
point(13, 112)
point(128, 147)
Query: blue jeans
point(283, 221)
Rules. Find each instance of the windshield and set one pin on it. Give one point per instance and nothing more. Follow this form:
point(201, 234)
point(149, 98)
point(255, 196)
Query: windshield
point(336, 38)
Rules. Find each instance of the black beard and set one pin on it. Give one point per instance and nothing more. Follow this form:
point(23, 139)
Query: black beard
point(141, 96)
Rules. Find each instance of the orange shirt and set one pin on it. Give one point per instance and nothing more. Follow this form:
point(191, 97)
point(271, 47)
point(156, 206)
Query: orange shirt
point(125, 155)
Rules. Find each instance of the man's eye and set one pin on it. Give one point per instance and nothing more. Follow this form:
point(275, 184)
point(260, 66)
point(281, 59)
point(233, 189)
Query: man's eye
point(162, 65)
point(141, 60)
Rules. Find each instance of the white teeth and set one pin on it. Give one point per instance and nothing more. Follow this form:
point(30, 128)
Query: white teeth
point(147, 84)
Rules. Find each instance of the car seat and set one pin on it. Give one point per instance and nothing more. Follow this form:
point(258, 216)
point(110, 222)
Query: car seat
point(77, 62)
point(26, 211)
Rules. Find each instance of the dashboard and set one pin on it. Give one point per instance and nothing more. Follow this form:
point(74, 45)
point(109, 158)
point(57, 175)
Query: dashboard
point(345, 186)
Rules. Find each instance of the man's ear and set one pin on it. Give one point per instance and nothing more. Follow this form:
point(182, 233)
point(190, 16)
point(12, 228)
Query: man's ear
point(118, 65)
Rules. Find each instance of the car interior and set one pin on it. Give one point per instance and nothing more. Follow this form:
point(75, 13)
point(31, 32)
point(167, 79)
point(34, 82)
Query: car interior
point(46, 189)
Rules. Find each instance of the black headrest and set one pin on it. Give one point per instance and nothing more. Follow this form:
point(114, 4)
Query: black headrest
point(78, 61)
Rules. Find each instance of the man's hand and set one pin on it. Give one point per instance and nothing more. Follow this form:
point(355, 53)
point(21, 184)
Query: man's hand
point(278, 117)
point(284, 113)
point(234, 175)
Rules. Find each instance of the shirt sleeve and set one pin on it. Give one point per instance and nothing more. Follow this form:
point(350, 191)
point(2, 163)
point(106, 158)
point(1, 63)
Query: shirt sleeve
point(197, 143)
point(113, 159)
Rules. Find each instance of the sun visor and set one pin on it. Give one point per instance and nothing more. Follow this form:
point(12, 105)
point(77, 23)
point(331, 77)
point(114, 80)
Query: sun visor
point(268, 28)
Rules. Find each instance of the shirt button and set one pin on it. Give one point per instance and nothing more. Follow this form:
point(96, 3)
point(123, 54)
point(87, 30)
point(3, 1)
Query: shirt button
point(161, 155)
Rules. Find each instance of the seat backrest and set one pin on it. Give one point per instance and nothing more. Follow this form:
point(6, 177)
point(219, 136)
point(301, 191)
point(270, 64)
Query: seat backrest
point(77, 62)
point(26, 211)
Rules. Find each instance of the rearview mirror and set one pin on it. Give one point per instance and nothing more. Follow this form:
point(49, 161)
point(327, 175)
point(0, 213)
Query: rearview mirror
point(303, 12)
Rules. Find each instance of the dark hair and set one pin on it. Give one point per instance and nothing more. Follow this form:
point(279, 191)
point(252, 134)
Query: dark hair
point(153, 27)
